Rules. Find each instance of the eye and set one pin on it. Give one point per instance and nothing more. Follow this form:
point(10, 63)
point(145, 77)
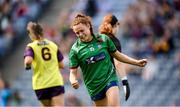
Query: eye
point(82, 31)
point(77, 33)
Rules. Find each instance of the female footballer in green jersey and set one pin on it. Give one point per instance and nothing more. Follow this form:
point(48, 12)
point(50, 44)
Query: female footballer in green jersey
point(109, 26)
point(93, 55)
point(46, 60)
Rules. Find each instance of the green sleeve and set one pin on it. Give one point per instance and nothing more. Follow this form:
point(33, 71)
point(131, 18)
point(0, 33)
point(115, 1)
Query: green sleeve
point(73, 59)
point(111, 46)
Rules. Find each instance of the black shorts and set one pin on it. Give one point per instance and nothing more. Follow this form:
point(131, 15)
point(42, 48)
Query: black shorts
point(48, 93)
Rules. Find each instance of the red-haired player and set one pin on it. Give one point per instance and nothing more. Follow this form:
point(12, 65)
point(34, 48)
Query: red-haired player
point(109, 27)
point(93, 54)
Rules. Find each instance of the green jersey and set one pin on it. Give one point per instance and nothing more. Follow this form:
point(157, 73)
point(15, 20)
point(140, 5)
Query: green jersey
point(94, 60)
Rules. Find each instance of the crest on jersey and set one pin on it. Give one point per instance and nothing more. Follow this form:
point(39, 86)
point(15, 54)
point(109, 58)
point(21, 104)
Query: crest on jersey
point(91, 49)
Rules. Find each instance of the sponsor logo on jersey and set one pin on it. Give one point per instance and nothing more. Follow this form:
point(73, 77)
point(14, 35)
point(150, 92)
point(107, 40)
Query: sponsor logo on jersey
point(96, 58)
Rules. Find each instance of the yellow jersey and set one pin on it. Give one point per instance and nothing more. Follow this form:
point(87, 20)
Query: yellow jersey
point(46, 72)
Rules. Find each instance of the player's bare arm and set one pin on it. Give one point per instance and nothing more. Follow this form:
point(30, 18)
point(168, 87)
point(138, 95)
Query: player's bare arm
point(126, 59)
point(73, 78)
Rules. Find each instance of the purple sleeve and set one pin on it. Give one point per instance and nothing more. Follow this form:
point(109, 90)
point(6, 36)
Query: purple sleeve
point(60, 56)
point(29, 52)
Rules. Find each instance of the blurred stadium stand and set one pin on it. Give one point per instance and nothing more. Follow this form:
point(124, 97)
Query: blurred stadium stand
point(14, 15)
point(149, 28)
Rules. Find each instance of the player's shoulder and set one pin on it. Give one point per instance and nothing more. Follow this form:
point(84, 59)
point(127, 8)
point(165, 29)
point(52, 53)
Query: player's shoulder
point(75, 46)
point(51, 43)
point(102, 36)
point(76, 43)
point(30, 44)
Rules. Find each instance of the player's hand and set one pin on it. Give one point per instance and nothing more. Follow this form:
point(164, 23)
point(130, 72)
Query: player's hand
point(126, 88)
point(27, 67)
point(142, 62)
point(75, 84)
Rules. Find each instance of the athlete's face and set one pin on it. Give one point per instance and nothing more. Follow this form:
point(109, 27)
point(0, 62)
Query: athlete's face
point(116, 28)
point(83, 32)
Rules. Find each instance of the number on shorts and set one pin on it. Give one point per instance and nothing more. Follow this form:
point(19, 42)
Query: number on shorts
point(46, 55)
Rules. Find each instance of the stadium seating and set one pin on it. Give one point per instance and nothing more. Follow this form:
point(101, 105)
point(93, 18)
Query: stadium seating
point(13, 20)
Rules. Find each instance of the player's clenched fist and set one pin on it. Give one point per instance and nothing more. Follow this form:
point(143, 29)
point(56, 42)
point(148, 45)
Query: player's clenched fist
point(74, 83)
point(142, 62)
